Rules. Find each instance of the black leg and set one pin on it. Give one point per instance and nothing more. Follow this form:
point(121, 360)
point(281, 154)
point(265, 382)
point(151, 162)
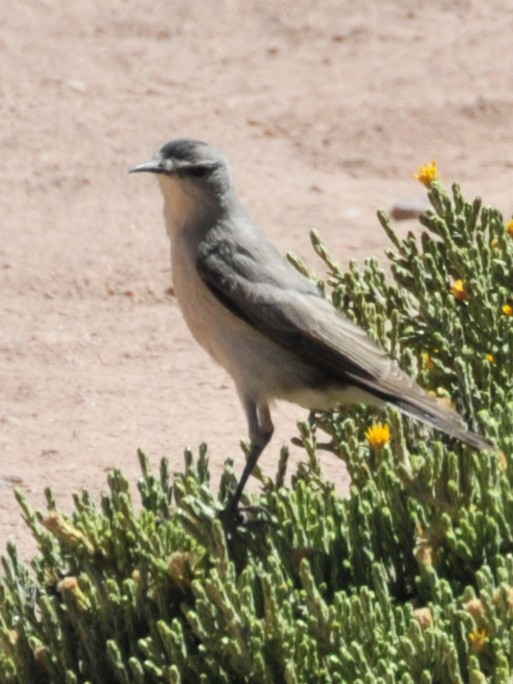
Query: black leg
point(261, 430)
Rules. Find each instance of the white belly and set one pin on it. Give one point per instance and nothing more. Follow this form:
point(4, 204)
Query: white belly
point(259, 367)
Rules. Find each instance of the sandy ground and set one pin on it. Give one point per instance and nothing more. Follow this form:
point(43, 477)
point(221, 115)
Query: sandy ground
point(325, 110)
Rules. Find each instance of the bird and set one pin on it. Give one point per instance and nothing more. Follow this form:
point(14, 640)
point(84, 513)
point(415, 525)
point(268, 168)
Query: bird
point(268, 325)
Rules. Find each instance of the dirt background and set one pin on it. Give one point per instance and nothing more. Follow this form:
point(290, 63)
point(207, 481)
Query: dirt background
point(325, 111)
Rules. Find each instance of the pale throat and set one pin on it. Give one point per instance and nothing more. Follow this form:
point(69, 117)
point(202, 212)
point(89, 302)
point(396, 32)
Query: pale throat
point(186, 207)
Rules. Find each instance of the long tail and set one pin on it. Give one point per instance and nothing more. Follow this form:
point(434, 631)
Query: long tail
point(440, 416)
point(399, 390)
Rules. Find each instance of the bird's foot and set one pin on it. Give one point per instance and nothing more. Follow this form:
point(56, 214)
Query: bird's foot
point(233, 518)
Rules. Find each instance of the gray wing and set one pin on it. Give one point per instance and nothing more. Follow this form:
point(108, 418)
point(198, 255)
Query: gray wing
point(255, 283)
point(270, 295)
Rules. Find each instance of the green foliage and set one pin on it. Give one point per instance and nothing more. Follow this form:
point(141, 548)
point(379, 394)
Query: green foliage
point(408, 579)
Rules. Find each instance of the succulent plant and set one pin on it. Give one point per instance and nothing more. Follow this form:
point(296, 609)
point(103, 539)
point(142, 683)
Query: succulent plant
point(409, 578)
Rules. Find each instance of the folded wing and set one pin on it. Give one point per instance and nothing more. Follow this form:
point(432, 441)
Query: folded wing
point(272, 297)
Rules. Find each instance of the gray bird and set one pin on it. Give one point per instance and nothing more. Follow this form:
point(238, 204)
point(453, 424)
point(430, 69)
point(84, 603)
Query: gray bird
point(266, 324)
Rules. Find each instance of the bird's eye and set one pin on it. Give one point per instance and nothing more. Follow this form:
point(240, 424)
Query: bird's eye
point(200, 171)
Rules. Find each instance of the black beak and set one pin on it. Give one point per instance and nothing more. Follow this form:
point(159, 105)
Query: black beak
point(153, 166)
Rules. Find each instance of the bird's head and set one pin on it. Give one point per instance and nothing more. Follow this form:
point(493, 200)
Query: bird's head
point(194, 178)
point(192, 164)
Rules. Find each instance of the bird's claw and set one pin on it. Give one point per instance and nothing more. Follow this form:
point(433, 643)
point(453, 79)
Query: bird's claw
point(234, 518)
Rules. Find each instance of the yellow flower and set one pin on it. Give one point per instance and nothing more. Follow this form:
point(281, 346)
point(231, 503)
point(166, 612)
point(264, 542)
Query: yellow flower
point(478, 639)
point(426, 174)
point(427, 360)
point(378, 435)
point(490, 358)
point(509, 228)
point(503, 461)
point(507, 310)
point(459, 291)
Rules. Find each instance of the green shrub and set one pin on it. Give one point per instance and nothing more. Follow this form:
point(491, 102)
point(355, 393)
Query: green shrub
point(408, 579)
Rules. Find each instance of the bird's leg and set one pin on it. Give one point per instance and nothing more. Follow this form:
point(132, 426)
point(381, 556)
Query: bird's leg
point(261, 430)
